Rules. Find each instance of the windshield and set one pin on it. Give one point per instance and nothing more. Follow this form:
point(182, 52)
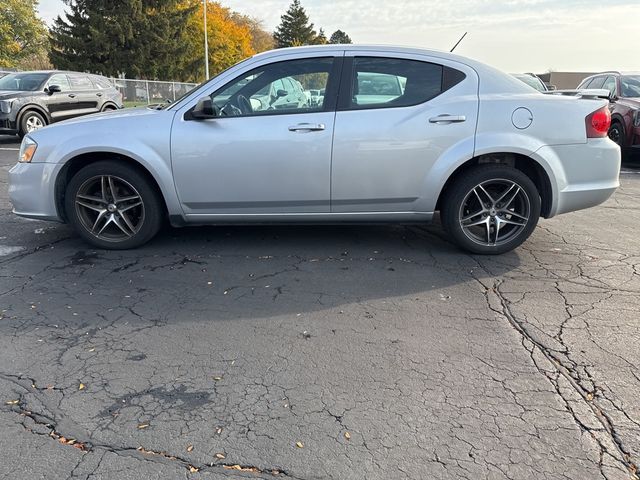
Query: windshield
point(25, 82)
point(629, 86)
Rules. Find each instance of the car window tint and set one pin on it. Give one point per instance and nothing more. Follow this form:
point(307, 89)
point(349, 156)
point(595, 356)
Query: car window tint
point(81, 82)
point(610, 84)
point(60, 80)
point(597, 82)
point(256, 93)
point(393, 82)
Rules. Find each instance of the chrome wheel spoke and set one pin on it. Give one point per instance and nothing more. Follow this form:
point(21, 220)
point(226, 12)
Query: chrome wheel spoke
point(491, 200)
point(100, 216)
point(473, 215)
point(477, 222)
point(112, 189)
point(90, 206)
point(129, 207)
point(506, 192)
point(127, 222)
point(514, 214)
point(118, 223)
point(520, 223)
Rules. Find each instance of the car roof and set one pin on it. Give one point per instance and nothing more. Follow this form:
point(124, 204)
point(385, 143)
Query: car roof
point(59, 71)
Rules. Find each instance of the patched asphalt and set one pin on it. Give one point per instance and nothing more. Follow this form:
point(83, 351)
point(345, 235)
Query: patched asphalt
point(321, 352)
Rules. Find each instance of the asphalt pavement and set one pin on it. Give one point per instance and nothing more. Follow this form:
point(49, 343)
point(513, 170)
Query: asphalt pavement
point(321, 352)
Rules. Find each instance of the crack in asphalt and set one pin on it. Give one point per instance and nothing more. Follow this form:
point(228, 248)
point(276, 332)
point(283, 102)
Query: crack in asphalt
point(621, 453)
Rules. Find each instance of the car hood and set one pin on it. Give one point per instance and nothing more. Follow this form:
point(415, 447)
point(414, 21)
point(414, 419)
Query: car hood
point(8, 94)
point(124, 116)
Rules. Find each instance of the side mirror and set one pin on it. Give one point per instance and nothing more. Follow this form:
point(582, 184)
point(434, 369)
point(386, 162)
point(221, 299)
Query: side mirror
point(53, 89)
point(281, 93)
point(551, 87)
point(204, 109)
point(612, 97)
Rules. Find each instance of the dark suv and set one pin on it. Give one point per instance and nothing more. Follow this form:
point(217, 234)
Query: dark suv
point(624, 97)
point(31, 100)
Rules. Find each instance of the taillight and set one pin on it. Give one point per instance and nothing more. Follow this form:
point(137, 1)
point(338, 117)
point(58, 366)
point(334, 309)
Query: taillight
point(598, 123)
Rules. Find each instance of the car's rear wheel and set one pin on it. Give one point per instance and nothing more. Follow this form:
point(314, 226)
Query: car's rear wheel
point(491, 209)
point(113, 205)
point(30, 122)
point(616, 133)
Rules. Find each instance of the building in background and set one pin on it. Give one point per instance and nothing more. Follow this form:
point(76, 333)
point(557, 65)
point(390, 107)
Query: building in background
point(564, 80)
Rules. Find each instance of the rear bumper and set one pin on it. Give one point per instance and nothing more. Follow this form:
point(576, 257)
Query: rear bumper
point(586, 174)
point(31, 190)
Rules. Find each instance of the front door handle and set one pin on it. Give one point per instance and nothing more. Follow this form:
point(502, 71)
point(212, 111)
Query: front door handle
point(98, 94)
point(72, 95)
point(446, 119)
point(307, 127)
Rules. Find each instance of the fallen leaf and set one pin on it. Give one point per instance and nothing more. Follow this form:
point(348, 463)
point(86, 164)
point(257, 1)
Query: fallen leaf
point(193, 469)
point(232, 467)
point(82, 386)
point(219, 430)
point(217, 379)
point(12, 402)
point(589, 396)
point(299, 444)
point(142, 425)
point(189, 448)
point(347, 435)
point(220, 456)
point(92, 349)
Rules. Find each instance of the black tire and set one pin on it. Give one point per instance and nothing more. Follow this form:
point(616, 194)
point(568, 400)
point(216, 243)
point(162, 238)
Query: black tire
point(616, 133)
point(461, 195)
point(145, 213)
point(28, 118)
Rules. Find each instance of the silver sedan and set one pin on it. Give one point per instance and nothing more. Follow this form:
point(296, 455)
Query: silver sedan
point(399, 134)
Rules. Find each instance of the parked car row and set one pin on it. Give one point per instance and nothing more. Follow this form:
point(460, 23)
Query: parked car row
point(32, 100)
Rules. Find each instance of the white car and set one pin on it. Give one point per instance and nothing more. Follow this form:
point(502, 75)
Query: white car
point(431, 131)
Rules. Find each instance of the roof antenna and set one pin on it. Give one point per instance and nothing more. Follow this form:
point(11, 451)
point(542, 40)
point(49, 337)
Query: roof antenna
point(458, 42)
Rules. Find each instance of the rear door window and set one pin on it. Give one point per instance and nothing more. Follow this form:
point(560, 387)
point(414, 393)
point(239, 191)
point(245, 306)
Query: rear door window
point(81, 82)
point(394, 82)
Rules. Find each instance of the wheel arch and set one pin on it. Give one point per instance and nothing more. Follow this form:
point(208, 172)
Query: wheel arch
point(76, 163)
point(29, 107)
point(528, 165)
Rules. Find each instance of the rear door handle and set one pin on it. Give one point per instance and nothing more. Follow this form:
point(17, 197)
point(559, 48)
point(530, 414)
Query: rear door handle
point(72, 95)
point(445, 119)
point(307, 127)
point(98, 94)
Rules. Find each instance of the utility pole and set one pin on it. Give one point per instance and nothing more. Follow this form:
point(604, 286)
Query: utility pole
point(206, 43)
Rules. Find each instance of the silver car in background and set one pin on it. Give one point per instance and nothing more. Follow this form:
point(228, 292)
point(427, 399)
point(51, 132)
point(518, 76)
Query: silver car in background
point(399, 134)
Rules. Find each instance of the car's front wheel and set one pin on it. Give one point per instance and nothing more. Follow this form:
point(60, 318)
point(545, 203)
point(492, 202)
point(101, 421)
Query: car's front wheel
point(491, 209)
point(113, 205)
point(30, 122)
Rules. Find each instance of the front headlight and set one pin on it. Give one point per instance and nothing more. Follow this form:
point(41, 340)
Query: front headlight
point(636, 118)
point(27, 150)
point(5, 106)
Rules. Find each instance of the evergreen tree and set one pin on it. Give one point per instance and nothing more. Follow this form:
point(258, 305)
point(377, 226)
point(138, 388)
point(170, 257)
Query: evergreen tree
point(294, 28)
point(321, 38)
point(339, 37)
point(138, 38)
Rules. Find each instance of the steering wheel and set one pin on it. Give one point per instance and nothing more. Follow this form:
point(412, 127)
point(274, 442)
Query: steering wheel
point(244, 105)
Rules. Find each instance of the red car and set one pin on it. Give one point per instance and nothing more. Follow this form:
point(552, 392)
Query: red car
point(624, 104)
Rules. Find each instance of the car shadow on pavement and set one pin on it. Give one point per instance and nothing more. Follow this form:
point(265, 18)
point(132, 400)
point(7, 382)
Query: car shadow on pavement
point(223, 273)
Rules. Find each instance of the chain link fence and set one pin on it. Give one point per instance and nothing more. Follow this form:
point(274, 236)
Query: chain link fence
point(147, 92)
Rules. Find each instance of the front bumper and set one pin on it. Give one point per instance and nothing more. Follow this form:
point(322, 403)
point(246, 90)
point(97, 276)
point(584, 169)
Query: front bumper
point(586, 174)
point(32, 190)
point(7, 125)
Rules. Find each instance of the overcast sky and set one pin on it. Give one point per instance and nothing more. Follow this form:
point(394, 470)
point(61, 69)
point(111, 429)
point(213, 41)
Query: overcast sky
point(513, 35)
